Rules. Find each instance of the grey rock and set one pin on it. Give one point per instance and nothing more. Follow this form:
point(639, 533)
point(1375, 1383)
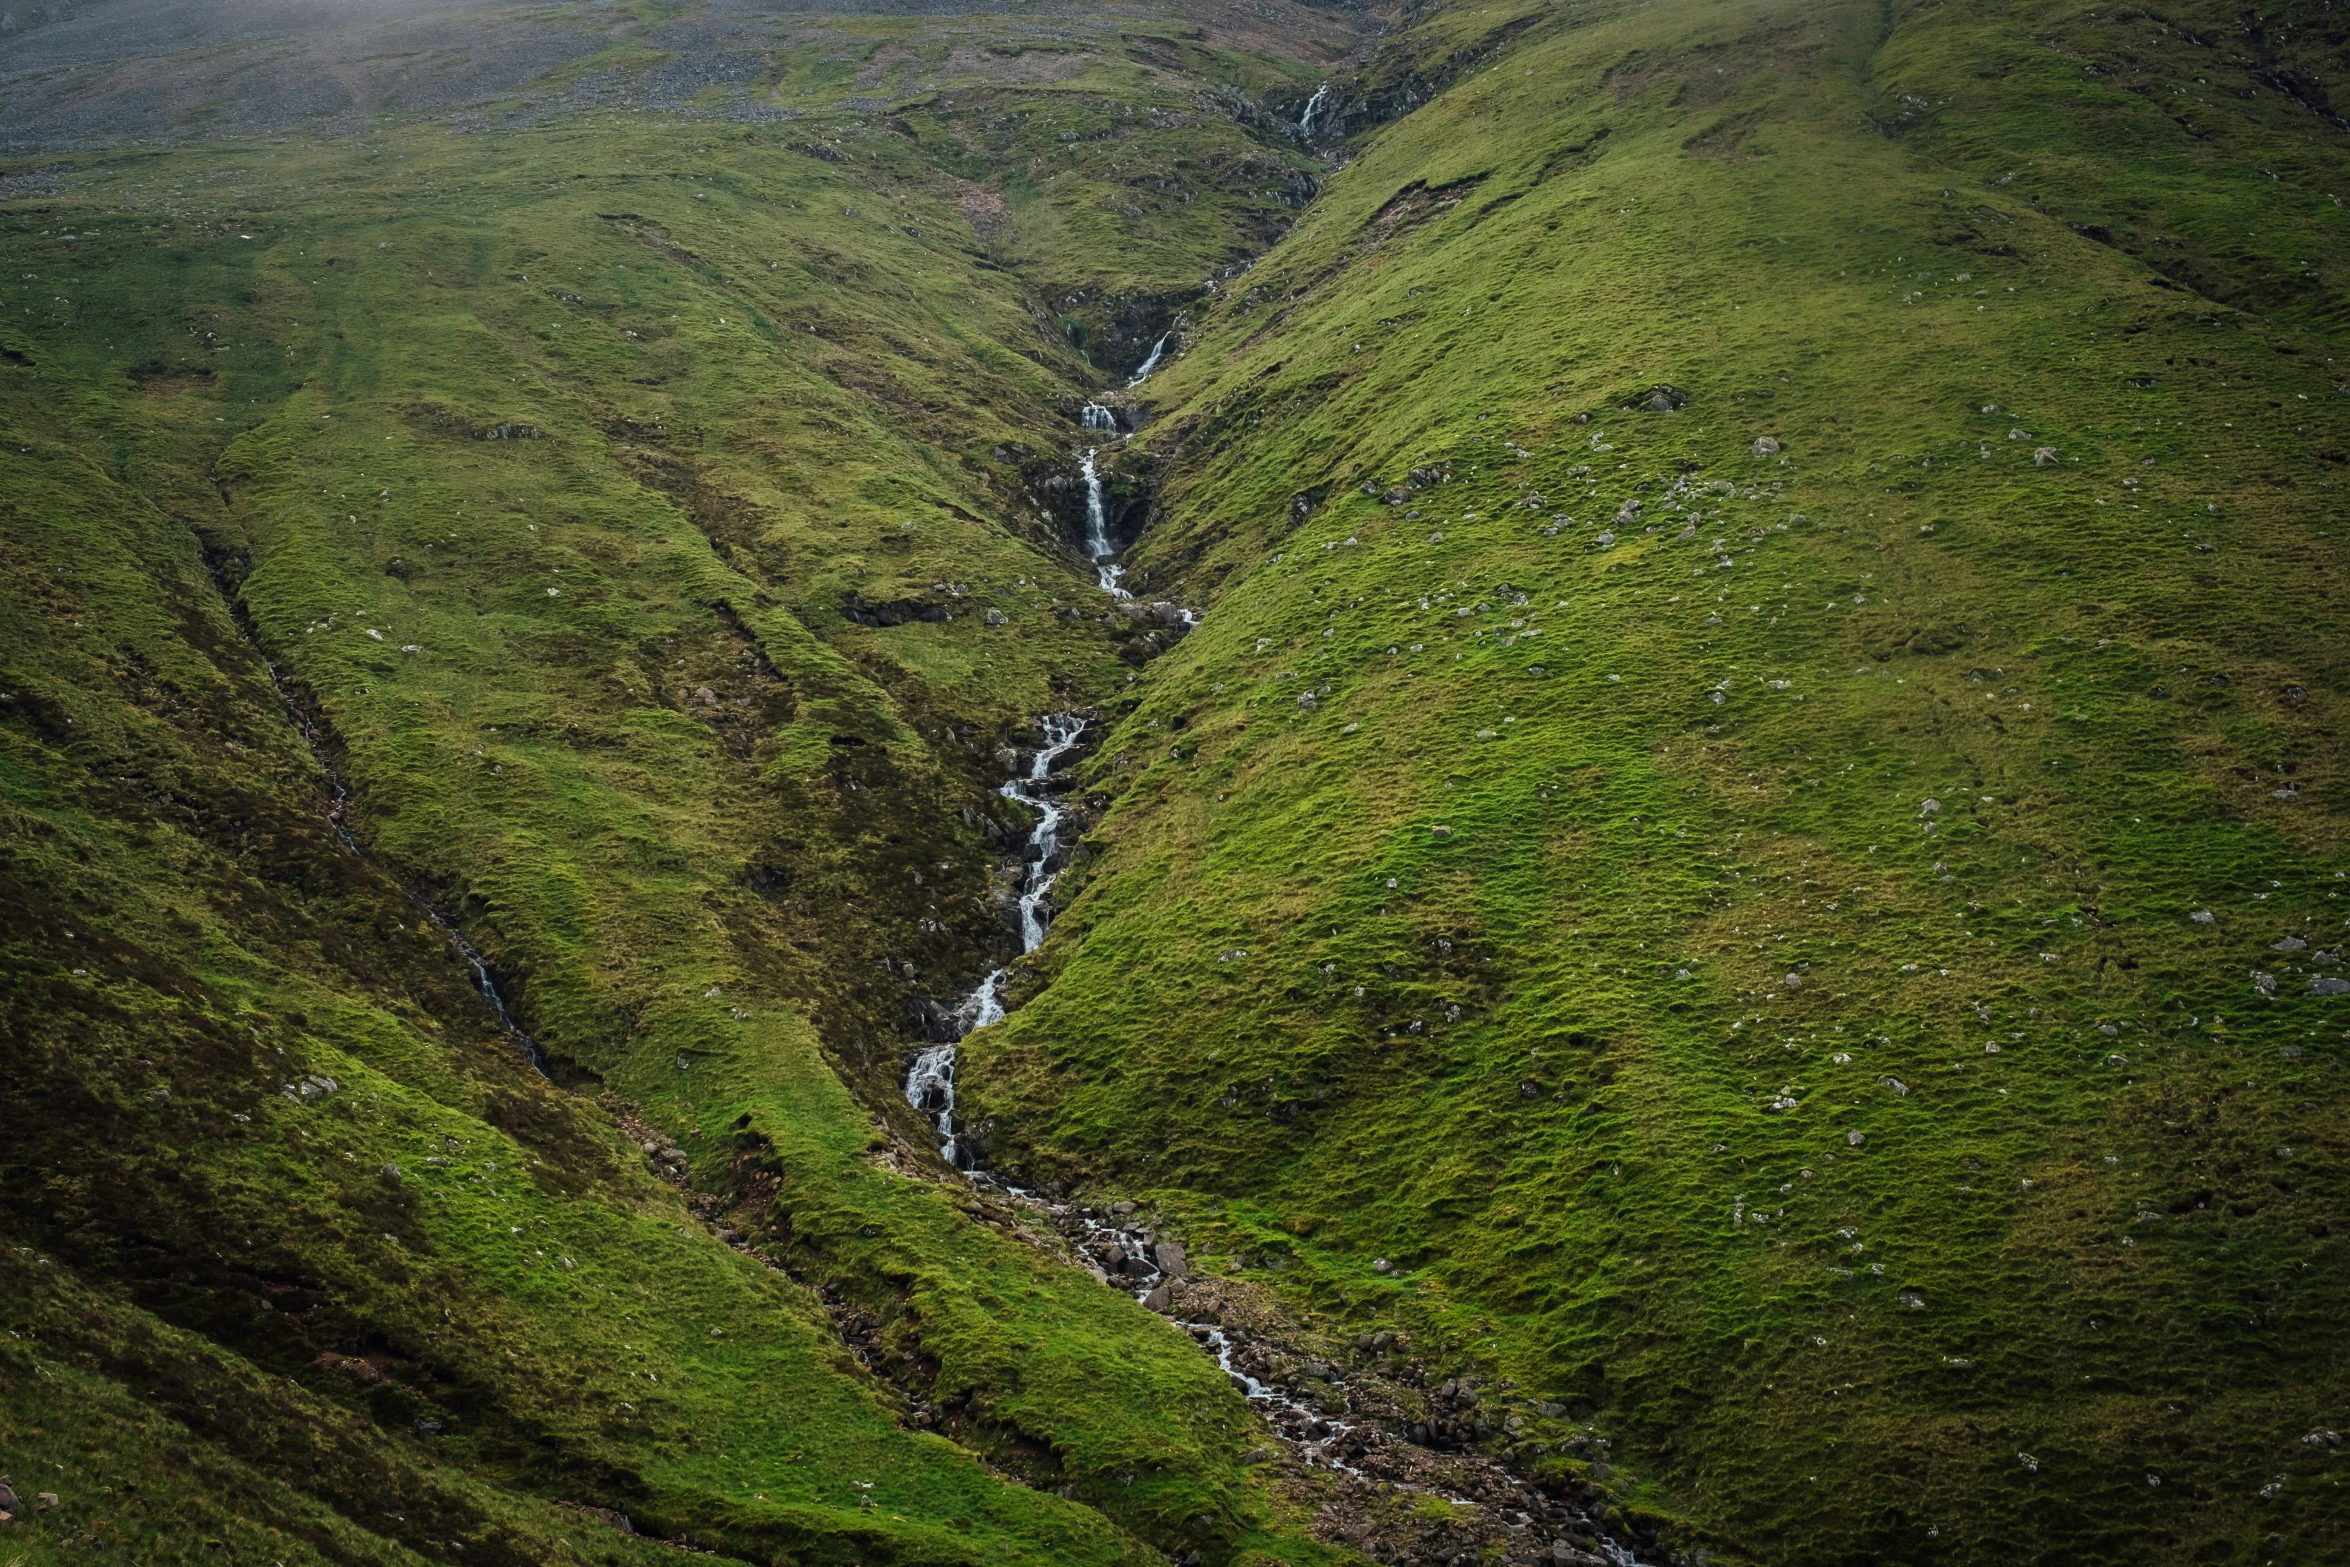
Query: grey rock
point(1159, 1299)
point(2203, 917)
point(1764, 446)
point(2287, 944)
point(1171, 1260)
point(1856, 1139)
point(2328, 985)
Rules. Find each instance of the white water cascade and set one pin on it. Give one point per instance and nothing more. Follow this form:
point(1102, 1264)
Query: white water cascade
point(1305, 121)
point(1152, 363)
point(930, 1082)
point(1097, 521)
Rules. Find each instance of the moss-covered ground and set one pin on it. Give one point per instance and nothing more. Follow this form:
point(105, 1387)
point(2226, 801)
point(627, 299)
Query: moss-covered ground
point(644, 520)
point(1748, 848)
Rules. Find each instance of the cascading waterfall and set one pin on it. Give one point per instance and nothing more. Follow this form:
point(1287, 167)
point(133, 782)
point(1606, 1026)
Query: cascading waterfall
point(1318, 1437)
point(1152, 363)
point(1097, 533)
point(1305, 121)
point(930, 1082)
point(1097, 520)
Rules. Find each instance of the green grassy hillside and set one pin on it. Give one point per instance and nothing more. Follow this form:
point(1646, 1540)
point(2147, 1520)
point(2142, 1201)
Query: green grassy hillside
point(1796, 917)
point(645, 523)
point(1747, 849)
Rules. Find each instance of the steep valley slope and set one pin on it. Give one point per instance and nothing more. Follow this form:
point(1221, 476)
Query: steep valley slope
point(1710, 850)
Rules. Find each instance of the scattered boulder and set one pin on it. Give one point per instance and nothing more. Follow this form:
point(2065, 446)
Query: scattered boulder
point(1764, 446)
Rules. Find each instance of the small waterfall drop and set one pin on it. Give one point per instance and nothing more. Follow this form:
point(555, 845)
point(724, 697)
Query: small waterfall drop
point(1305, 121)
point(930, 1081)
point(1152, 363)
point(1097, 518)
point(1097, 533)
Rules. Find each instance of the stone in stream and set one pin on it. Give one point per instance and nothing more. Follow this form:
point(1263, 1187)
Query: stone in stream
point(1159, 1299)
point(1171, 1260)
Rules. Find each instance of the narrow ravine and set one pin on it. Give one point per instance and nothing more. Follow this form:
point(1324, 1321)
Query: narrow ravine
point(930, 1082)
point(1354, 1436)
point(337, 813)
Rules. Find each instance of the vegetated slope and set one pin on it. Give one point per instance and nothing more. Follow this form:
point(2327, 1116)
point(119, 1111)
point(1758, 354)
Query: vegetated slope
point(1752, 843)
point(636, 538)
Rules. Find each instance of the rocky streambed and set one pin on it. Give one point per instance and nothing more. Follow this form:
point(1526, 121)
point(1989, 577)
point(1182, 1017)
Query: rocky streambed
point(1361, 1428)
